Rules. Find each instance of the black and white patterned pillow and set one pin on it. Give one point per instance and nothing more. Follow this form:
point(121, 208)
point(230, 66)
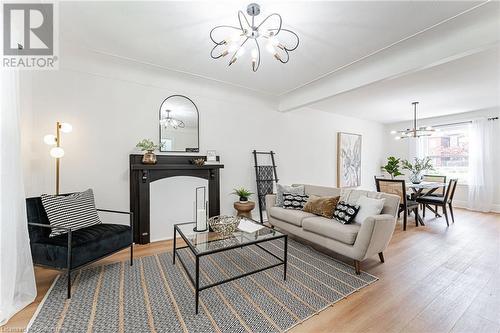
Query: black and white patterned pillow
point(294, 201)
point(345, 213)
point(75, 211)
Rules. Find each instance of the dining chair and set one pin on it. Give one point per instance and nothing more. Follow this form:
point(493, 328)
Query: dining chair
point(440, 192)
point(398, 187)
point(445, 202)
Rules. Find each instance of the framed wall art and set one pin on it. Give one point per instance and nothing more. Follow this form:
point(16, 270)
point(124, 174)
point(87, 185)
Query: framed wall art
point(348, 159)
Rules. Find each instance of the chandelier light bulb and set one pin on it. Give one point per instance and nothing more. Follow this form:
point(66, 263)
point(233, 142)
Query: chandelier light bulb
point(66, 127)
point(50, 139)
point(274, 41)
point(270, 48)
point(397, 138)
point(57, 152)
point(254, 54)
point(393, 132)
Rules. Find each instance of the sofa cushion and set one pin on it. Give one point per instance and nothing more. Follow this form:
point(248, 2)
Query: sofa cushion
point(87, 244)
point(345, 233)
point(322, 206)
point(368, 207)
point(75, 211)
point(289, 215)
point(282, 189)
point(294, 201)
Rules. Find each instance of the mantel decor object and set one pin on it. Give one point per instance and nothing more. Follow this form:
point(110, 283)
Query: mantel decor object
point(148, 147)
point(201, 209)
point(57, 152)
point(198, 161)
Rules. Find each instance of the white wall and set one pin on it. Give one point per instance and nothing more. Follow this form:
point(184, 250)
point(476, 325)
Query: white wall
point(113, 103)
point(401, 148)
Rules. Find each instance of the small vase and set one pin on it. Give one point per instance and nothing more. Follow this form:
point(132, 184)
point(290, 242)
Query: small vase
point(149, 157)
point(416, 177)
point(243, 200)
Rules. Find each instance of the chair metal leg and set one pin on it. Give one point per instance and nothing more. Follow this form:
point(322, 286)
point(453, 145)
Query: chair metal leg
point(445, 212)
point(423, 210)
point(405, 218)
point(451, 211)
point(69, 283)
point(436, 208)
point(132, 254)
point(381, 256)
point(415, 211)
point(356, 267)
point(68, 262)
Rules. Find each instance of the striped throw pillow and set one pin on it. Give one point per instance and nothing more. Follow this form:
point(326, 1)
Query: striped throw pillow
point(75, 211)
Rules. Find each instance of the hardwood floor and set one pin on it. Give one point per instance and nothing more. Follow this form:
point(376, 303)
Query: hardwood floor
point(435, 279)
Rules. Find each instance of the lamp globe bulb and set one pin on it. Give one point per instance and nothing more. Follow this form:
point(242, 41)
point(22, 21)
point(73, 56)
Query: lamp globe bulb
point(66, 127)
point(50, 139)
point(57, 152)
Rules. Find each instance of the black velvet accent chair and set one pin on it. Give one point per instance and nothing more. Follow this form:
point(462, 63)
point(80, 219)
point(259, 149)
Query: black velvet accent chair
point(446, 202)
point(75, 248)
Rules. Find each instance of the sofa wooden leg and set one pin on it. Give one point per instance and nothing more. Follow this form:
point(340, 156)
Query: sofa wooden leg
point(356, 266)
point(381, 256)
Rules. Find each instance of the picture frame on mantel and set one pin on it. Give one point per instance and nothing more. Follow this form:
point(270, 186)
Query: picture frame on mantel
point(348, 160)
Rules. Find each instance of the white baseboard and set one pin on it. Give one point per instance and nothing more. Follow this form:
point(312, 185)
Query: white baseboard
point(463, 204)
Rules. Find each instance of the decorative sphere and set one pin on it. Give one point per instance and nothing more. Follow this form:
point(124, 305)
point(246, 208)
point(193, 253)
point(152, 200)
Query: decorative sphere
point(57, 152)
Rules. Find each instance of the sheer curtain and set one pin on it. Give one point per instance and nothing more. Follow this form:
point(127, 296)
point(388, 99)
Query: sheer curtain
point(17, 280)
point(481, 182)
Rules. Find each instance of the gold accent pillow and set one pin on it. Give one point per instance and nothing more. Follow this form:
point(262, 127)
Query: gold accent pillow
point(322, 206)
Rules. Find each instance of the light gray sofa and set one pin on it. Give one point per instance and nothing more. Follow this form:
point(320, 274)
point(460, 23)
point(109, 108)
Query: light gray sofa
point(355, 241)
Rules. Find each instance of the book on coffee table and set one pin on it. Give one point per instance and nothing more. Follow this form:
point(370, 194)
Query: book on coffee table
point(249, 226)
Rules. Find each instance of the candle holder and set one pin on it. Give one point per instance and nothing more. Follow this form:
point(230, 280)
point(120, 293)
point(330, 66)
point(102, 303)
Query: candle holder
point(201, 210)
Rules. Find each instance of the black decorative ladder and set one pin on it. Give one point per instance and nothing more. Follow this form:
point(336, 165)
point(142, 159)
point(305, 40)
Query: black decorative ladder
point(266, 176)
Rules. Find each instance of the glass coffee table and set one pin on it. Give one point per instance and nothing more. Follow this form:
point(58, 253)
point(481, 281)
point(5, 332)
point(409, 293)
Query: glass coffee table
point(208, 242)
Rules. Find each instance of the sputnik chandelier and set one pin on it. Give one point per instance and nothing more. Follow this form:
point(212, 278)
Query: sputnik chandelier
point(414, 132)
point(235, 41)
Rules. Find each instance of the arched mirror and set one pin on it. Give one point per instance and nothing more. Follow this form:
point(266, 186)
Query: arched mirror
point(179, 125)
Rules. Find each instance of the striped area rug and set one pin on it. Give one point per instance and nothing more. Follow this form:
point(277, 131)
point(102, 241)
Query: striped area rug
point(156, 296)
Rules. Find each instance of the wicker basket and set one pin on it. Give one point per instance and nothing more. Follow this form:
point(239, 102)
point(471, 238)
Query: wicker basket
point(224, 224)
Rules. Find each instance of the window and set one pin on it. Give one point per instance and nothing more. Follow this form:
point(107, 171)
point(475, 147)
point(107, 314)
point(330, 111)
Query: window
point(449, 150)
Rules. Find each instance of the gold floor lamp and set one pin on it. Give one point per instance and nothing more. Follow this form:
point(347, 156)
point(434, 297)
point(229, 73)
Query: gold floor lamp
point(57, 152)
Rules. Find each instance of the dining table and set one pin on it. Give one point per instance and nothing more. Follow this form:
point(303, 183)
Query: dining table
point(430, 188)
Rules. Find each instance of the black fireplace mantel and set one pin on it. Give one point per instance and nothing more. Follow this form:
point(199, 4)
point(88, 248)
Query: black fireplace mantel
point(141, 175)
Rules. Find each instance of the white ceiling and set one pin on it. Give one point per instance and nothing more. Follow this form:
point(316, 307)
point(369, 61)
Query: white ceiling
point(470, 83)
point(175, 35)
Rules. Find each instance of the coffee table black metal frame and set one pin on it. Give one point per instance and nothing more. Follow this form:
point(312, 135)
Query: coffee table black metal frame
point(196, 279)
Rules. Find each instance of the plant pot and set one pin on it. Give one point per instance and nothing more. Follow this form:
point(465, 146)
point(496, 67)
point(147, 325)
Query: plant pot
point(243, 200)
point(149, 157)
point(416, 177)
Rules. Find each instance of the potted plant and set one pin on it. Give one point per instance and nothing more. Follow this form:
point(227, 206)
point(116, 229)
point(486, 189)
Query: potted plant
point(243, 194)
point(392, 167)
point(148, 147)
point(416, 169)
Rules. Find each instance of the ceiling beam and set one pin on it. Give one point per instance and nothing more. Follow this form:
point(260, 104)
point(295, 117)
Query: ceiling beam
point(466, 34)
